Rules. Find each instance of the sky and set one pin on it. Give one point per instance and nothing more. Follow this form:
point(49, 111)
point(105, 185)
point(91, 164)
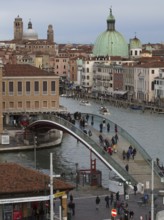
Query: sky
point(81, 21)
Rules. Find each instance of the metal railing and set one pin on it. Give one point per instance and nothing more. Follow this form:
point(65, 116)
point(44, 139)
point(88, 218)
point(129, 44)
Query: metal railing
point(91, 145)
point(131, 141)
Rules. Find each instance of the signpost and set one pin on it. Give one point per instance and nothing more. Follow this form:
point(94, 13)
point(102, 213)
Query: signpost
point(114, 213)
point(59, 194)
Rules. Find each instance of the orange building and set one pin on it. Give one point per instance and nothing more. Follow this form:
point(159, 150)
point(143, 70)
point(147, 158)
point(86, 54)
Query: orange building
point(27, 90)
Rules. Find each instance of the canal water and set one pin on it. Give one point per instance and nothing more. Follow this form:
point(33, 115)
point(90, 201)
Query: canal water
point(147, 128)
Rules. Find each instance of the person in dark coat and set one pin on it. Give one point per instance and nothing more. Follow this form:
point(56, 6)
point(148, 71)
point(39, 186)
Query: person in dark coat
point(107, 201)
point(135, 189)
point(127, 167)
point(111, 198)
point(97, 202)
point(108, 127)
point(117, 196)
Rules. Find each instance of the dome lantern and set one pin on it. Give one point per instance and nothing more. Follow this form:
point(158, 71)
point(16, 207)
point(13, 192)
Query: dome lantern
point(110, 22)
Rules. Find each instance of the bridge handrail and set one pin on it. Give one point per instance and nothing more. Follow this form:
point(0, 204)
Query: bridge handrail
point(113, 164)
point(133, 142)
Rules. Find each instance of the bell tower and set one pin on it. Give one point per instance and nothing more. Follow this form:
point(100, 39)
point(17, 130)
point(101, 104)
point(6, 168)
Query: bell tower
point(18, 28)
point(50, 34)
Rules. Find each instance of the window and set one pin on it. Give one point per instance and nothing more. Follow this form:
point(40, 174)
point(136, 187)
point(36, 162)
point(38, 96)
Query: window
point(19, 104)
point(36, 104)
point(27, 88)
point(152, 71)
point(87, 70)
point(44, 104)
point(36, 87)
point(3, 88)
point(19, 88)
point(11, 88)
point(11, 104)
point(53, 87)
point(44, 87)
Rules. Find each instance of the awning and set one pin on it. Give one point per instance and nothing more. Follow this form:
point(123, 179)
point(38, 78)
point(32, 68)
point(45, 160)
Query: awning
point(119, 92)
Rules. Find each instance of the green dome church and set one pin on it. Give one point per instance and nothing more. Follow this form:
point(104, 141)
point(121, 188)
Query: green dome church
point(110, 42)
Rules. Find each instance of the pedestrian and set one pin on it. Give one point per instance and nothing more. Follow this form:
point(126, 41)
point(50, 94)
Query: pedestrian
point(87, 117)
point(97, 202)
point(104, 123)
point(126, 213)
point(131, 214)
point(108, 127)
point(111, 198)
point(127, 167)
point(124, 154)
point(135, 189)
point(101, 127)
point(118, 196)
point(90, 133)
point(107, 201)
point(71, 206)
point(71, 197)
point(116, 138)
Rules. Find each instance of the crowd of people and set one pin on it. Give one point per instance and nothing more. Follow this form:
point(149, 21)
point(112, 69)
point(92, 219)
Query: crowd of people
point(114, 202)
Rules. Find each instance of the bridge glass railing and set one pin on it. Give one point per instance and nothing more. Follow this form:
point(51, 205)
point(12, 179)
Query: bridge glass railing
point(131, 141)
point(93, 146)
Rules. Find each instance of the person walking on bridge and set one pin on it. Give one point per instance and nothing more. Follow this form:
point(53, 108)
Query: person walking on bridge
point(97, 202)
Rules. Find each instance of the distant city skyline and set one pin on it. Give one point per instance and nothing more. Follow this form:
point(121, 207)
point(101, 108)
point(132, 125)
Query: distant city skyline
point(82, 21)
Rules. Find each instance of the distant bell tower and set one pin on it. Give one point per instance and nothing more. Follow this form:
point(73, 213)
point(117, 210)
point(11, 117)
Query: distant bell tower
point(18, 28)
point(50, 33)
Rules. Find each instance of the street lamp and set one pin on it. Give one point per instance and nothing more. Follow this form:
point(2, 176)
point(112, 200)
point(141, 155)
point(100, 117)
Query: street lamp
point(35, 145)
point(152, 191)
point(76, 164)
point(52, 188)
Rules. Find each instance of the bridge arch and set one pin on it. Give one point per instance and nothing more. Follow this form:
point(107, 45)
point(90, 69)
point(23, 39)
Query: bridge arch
point(58, 122)
point(64, 125)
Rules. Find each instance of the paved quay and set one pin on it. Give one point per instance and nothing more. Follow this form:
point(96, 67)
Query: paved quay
point(84, 198)
point(85, 207)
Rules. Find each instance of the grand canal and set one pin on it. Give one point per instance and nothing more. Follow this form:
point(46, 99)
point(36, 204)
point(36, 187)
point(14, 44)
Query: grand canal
point(147, 128)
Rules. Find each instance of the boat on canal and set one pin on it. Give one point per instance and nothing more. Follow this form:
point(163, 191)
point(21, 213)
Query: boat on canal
point(85, 103)
point(104, 110)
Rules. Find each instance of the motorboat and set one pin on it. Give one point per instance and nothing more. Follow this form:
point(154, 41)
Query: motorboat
point(136, 107)
point(85, 102)
point(104, 111)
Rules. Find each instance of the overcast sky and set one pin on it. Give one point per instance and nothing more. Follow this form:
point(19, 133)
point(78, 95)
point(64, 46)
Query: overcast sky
point(81, 21)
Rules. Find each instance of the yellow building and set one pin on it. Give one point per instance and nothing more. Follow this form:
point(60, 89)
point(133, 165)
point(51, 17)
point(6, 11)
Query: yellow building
point(27, 90)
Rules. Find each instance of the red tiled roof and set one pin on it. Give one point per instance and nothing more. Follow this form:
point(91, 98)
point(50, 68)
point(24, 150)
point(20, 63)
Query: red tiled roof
point(24, 70)
point(15, 178)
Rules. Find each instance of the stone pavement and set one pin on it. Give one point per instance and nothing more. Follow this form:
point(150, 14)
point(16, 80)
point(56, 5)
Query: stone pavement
point(85, 208)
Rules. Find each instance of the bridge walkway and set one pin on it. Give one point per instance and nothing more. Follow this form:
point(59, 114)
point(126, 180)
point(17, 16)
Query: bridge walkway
point(139, 169)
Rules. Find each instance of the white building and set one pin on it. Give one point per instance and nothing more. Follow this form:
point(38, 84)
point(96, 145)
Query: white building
point(144, 78)
point(159, 85)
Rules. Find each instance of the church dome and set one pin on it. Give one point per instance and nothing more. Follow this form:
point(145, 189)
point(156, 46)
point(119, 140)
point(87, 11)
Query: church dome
point(110, 42)
point(135, 43)
point(30, 34)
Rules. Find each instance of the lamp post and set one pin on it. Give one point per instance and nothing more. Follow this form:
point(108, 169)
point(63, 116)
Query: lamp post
point(35, 145)
point(76, 164)
point(152, 192)
point(52, 188)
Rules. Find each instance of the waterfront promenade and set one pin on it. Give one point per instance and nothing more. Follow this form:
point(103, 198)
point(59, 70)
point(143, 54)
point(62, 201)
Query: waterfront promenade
point(84, 197)
point(85, 208)
point(139, 167)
